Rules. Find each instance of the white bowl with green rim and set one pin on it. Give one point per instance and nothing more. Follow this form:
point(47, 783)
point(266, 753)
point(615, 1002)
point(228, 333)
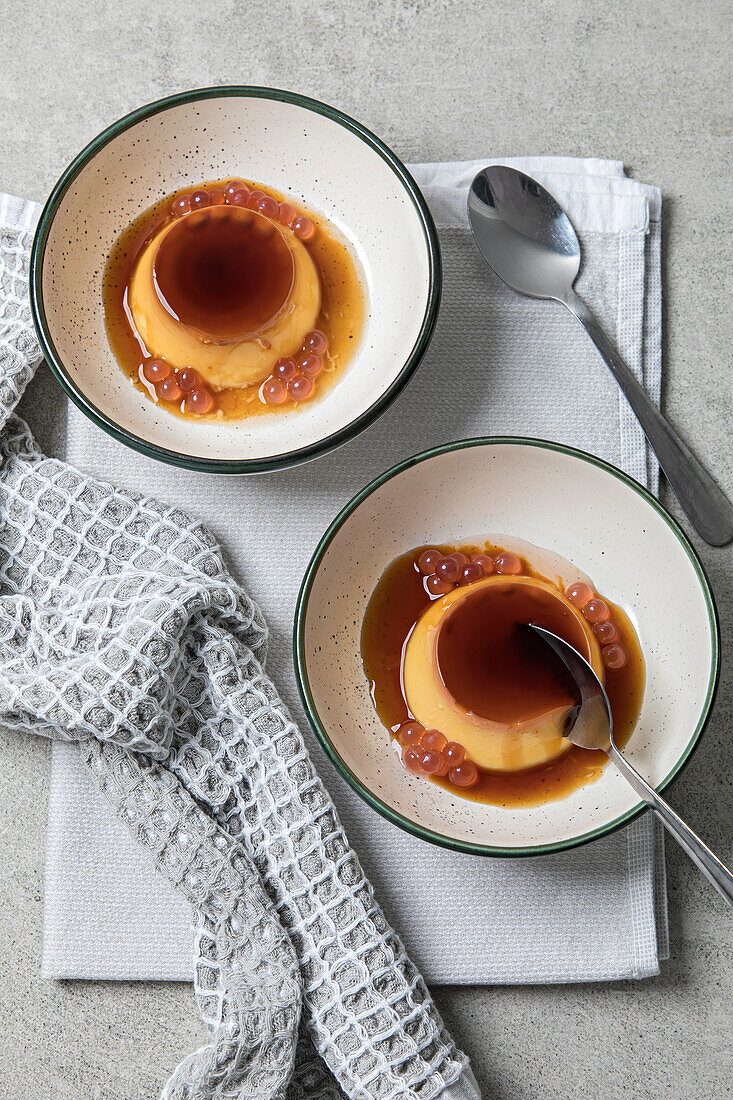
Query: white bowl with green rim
point(559, 499)
point(311, 152)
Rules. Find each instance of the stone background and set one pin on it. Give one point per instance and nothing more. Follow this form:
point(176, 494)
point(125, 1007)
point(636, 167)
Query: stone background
point(647, 82)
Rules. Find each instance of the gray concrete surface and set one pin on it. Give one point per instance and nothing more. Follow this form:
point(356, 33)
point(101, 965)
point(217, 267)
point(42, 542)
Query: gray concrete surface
point(646, 82)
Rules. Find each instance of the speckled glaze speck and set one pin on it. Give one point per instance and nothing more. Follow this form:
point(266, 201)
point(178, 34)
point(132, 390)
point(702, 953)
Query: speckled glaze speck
point(559, 499)
point(308, 151)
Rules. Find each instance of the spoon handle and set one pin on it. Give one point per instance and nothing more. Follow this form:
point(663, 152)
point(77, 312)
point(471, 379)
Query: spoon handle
point(715, 871)
point(708, 508)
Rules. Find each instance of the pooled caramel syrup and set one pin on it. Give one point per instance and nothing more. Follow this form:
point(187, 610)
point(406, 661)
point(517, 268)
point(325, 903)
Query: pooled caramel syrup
point(494, 666)
point(488, 633)
point(224, 271)
point(342, 316)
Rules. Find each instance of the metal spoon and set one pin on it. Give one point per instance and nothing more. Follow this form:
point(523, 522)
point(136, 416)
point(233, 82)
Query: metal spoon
point(593, 729)
point(528, 240)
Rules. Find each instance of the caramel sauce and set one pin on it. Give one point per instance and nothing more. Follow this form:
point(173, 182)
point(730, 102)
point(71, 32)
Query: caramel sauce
point(342, 316)
point(494, 666)
point(398, 602)
point(223, 271)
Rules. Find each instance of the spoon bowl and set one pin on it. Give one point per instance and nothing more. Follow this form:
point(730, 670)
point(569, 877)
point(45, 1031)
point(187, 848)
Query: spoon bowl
point(592, 723)
point(523, 233)
point(592, 728)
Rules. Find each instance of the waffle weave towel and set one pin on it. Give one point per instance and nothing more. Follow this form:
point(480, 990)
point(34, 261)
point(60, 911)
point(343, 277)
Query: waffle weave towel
point(121, 630)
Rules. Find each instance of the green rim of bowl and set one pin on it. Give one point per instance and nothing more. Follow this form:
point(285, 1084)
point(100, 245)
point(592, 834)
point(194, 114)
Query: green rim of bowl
point(353, 780)
point(225, 465)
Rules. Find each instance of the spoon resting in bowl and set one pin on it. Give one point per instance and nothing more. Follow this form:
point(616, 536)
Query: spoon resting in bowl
point(528, 240)
point(592, 728)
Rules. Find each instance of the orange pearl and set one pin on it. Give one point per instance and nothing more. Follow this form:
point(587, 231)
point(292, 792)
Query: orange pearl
point(168, 389)
point(286, 213)
point(155, 370)
point(273, 391)
point(200, 402)
point(485, 561)
point(410, 733)
point(614, 657)
point(508, 563)
point(428, 560)
point(463, 775)
point(597, 611)
point(579, 594)
point(188, 379)
point(303, 228)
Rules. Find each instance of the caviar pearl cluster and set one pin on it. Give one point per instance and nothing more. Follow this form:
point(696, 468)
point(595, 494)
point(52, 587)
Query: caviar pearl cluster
point(428, 752)
point(444, 572)
point(173, 385)
point(597, 612)
point(236, 193)
point(294, 377)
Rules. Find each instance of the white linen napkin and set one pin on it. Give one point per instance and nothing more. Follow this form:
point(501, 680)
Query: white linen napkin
point(499, 364)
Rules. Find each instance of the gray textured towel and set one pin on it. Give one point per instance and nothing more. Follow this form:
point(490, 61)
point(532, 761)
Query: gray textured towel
point(121, 629)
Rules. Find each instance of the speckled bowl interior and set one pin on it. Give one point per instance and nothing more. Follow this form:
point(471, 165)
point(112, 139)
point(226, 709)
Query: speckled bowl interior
point(302, 148)
point(558, 499)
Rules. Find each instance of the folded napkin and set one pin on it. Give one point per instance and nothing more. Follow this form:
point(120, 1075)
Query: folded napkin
point(498, 364)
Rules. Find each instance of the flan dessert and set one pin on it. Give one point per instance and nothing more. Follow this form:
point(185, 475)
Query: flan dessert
point(474, 699)
point(227, 301)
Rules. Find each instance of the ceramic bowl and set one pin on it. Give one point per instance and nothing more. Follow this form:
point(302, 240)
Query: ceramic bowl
point(306, 149)
point(559, 499)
